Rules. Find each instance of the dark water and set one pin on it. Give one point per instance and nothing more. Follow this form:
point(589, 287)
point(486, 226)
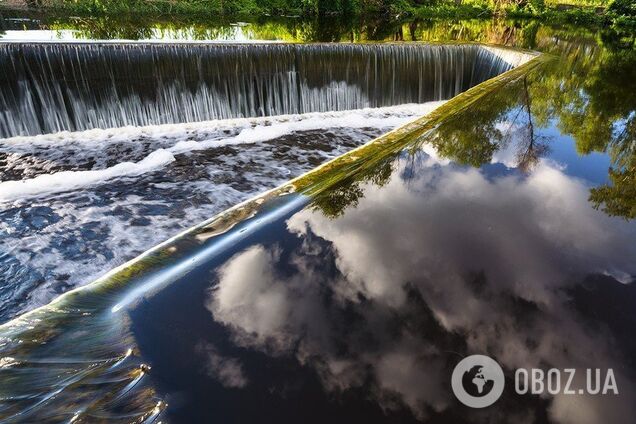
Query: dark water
point(506, 228)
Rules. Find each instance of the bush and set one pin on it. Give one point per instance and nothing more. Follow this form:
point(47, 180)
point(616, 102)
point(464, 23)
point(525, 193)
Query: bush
point(622, 7)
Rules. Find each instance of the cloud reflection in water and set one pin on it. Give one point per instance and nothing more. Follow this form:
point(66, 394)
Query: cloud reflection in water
point(437, 263)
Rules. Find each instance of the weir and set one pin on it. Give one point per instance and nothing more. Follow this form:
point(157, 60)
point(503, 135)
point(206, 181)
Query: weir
point(77, 358)
point(52, 87)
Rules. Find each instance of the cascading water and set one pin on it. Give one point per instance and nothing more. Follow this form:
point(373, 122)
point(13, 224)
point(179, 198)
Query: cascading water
point(47, 88)
point(74, 205)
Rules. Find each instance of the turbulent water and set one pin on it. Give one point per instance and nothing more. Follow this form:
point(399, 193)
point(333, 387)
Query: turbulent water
point(74, 205)
point(46, 88)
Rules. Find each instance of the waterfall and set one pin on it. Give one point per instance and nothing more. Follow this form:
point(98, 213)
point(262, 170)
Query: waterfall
point(52, 87)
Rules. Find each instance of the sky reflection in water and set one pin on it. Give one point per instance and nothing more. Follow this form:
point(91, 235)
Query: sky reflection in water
point(486, 259)
point(483, 240)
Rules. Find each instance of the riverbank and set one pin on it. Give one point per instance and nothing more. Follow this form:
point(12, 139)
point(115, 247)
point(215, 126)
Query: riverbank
point(620, 13)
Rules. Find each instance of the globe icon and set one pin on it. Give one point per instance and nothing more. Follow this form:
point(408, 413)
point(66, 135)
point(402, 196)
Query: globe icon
point(476, 383)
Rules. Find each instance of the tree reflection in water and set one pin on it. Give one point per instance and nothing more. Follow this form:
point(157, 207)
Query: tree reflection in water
point(588, 94)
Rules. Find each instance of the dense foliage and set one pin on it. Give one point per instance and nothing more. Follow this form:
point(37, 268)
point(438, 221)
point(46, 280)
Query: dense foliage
point(571, 11)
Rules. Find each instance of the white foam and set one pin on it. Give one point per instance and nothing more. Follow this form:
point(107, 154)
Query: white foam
point(254, 130)
point(98, 136)
point(280, 126)
point(72, 180)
